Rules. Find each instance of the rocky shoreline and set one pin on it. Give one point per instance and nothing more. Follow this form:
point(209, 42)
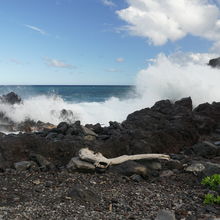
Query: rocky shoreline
point(43, 178)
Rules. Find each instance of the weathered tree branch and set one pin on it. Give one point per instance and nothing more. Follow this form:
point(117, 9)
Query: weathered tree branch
point(102, 162)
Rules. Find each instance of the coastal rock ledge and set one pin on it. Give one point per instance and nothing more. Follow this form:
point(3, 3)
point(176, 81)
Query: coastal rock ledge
point(43, 176)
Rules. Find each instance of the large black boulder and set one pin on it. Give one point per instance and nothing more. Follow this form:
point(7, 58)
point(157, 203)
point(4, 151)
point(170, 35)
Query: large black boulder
point(11, 98)
point(207, 117)
point(214, 62)
point(16, 148)
point(165, 128)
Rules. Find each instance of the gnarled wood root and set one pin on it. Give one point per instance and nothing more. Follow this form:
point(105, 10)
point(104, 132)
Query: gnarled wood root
point(102, 162)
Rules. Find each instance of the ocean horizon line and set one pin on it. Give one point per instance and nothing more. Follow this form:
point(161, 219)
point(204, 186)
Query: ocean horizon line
point(67, 85)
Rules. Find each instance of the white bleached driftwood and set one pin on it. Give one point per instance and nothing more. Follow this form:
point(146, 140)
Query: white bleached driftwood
point(102, 162)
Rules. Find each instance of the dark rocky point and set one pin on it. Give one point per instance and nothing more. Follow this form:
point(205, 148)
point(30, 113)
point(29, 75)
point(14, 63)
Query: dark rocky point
point(10, 98)
point(214, 62)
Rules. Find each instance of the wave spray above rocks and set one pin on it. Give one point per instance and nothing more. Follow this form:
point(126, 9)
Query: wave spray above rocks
point(166, 78)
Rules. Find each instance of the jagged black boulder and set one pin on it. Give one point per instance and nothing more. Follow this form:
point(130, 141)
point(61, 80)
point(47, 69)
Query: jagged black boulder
point(11, 98)
point(214, 62)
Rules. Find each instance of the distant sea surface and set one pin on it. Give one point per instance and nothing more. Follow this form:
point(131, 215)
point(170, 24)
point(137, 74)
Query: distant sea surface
point(69, 93)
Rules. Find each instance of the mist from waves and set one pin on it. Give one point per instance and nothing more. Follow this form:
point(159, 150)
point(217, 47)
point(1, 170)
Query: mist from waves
point(165, 78)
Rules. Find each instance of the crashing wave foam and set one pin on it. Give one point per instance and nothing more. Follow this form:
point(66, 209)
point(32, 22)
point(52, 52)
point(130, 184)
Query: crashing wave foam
point(163, 79)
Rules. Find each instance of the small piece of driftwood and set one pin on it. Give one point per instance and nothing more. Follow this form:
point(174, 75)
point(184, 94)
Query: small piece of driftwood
point(102, 162)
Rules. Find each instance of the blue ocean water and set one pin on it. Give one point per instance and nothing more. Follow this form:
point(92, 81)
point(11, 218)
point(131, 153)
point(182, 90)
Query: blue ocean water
point(69, 93)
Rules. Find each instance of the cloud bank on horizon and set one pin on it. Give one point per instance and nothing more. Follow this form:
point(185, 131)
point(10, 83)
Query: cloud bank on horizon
point(161, 21)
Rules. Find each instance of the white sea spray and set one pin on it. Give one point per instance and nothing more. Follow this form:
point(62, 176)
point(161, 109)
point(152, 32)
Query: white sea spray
point(165, 78)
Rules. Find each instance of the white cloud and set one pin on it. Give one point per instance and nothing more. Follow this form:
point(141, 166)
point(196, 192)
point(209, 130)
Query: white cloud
point(16, 61)
point(112, 70)
point(120, 60)
point(162, 20)
point(183, 58)
point(36, 29)
point(108, 3)
point(57, 63)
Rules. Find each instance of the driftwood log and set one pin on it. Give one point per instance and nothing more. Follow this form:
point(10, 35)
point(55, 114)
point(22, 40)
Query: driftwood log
point(102, 162)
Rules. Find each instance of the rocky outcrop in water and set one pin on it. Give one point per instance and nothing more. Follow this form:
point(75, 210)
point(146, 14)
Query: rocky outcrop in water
point(6, 123)
point(11, 98)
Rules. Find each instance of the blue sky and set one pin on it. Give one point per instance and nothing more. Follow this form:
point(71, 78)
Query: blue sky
point(98, 41)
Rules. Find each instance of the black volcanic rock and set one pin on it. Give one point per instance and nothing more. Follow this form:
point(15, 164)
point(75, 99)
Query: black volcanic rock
point(21, 147)
point(11, 98)
point(207, 117)
point(214, 62)
point(7, 123)
point(206, 149)
point(185, 102)
point(211, 111)
point(167, 127)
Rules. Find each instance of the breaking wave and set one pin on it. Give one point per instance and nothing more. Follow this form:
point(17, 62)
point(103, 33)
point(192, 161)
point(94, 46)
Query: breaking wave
point(165, 78)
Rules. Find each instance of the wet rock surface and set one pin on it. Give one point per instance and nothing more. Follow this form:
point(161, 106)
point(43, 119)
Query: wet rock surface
point(10, 98)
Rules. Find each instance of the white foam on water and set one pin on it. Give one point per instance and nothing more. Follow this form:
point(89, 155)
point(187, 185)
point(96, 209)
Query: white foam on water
point(48, 108)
